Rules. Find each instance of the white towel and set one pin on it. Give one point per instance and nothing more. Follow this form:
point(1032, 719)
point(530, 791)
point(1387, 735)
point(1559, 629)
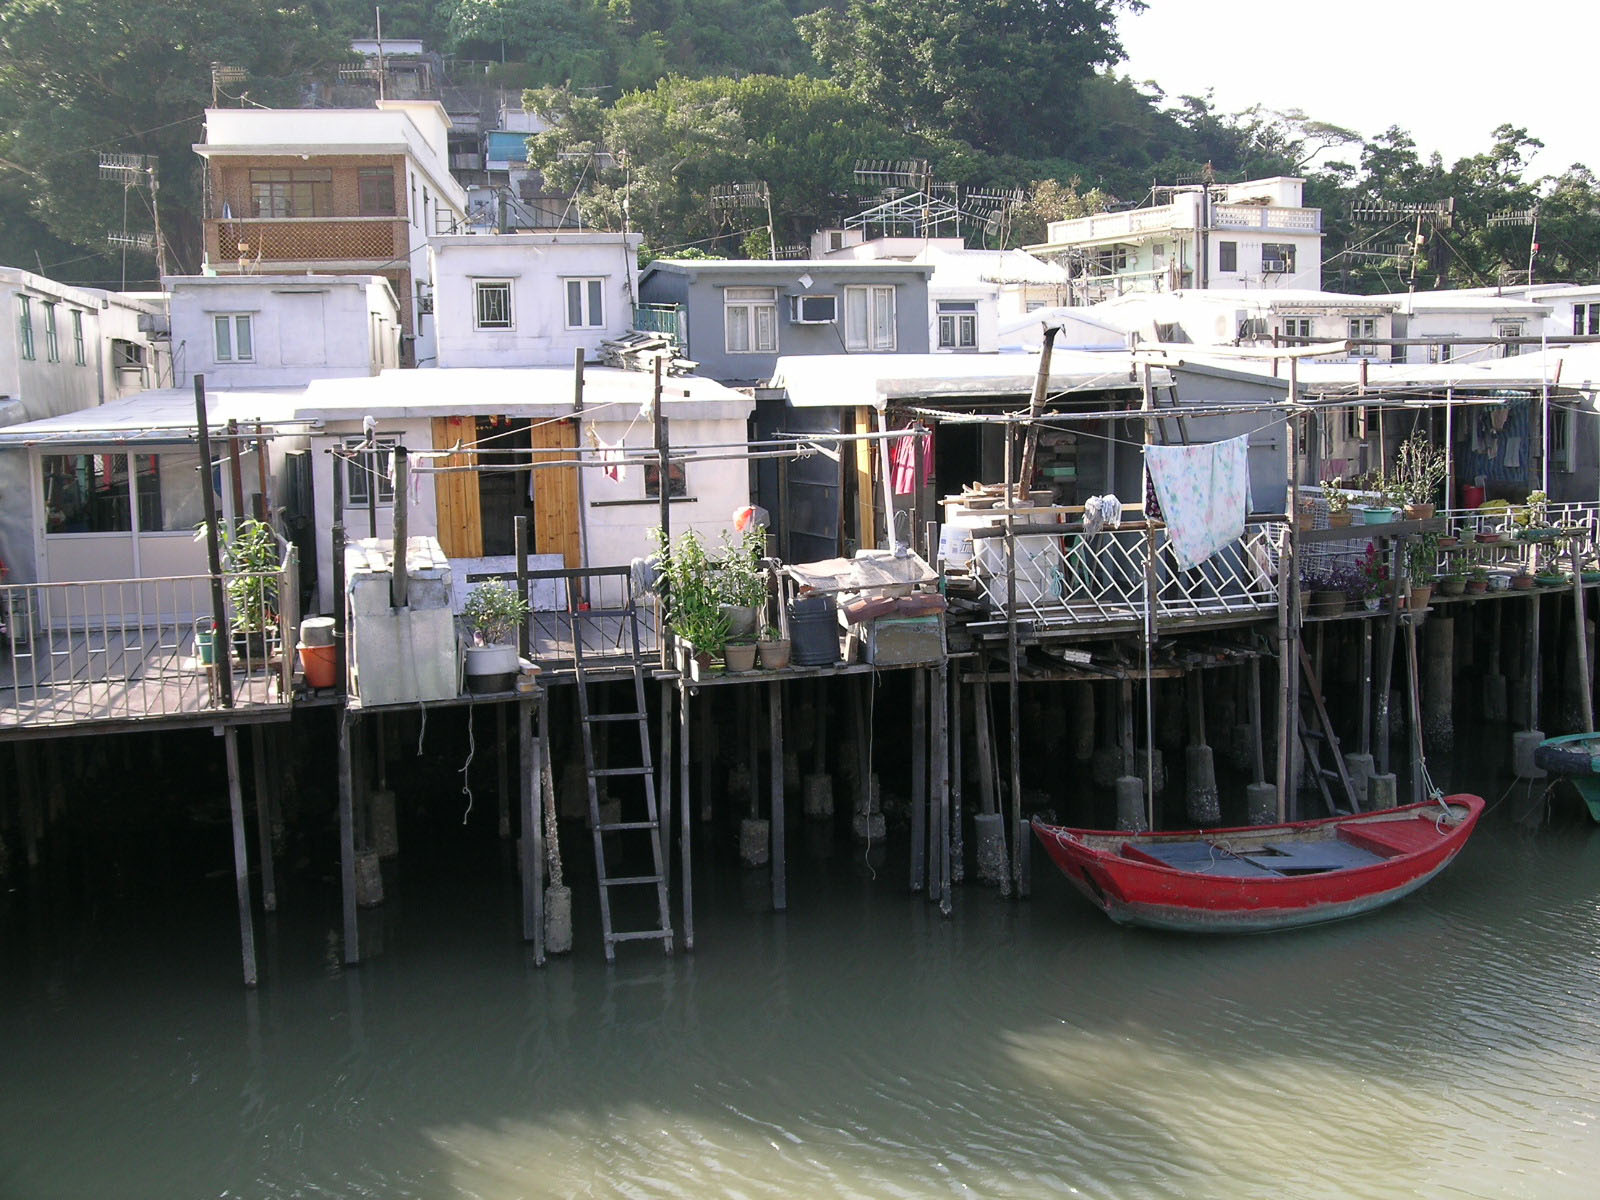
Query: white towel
point(1202, 491)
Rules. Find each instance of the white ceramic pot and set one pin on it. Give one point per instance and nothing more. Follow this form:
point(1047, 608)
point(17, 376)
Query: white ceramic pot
point(491, 668)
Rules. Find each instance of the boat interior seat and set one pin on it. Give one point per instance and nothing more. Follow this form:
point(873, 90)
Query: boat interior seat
point(1308, 858)
point(1200, 858)
point(1389, 838)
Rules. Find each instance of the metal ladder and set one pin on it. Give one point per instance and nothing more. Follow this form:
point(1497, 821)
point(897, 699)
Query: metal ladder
point(581, 618)
point(1312, 740)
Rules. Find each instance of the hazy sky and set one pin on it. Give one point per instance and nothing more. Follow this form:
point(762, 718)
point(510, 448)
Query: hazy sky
point(1448, 73)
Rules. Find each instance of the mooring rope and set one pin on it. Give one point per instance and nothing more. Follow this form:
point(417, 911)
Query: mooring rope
point(472, 749)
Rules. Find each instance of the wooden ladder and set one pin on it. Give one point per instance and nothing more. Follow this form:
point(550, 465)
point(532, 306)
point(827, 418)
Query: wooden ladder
point(632, 822)
point(1312, 739)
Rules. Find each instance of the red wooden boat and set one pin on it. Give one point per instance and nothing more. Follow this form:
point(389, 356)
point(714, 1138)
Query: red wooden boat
point(1264, 877)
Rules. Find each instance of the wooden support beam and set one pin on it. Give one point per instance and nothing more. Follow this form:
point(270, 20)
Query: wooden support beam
point(919, 776)
point(685, 815)
point(939, 878)
point(258, 766)
point(780, 877)
point(955, 863)
point(241, 855)
point(347, 841)
point(664, 785)
point(531, 771)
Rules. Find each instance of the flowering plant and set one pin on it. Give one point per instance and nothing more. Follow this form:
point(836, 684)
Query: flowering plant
point(1372, 571)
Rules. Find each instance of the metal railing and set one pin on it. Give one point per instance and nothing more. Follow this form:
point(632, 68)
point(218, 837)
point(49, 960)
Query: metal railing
point(1078, 579)
point(136, 649)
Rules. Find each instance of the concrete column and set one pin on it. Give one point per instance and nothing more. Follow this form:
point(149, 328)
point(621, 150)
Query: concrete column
point(1130, 804)
point(1261, 803)
point(1080, 721)
point(1200, 798)
point(1383, 791)
point(1438, 689)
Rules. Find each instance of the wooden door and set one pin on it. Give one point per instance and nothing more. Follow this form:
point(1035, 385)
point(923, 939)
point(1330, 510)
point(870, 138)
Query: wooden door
point(456, 493)
point(555, 492)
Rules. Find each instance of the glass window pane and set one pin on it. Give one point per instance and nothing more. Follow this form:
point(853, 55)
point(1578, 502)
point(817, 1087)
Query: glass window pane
point(766, 328)
point(86, 493)
point(738, 321)
point(855, 317)
point(574, 304)
point(178, 481)
point(224, 329)
point(595, 310)
point(883, 318)
point(242, 339)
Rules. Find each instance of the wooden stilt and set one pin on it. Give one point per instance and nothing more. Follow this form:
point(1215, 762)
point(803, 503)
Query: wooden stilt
point(503, 784)
point(1533, 662)
point(1257, 740)
point(241, 855)
point(1386, 649)
point(939, 814)
point(780, 876)
point(685, 816)
point(919, 776)
point(1364, 739)
point(258, 765)
point(532, 778)
point(664, 783)
point(953, 830)
point(347, 841)
point(986, 764)
point(863, 747)
point(30, 815)
point(1585, 679)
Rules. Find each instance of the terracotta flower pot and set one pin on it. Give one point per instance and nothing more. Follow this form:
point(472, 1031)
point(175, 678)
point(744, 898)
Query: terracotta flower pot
point(1419, 596)
point(1419, 512)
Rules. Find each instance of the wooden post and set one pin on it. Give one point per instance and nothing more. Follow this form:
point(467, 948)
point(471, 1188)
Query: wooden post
point(939, 808)
point(685, 814)
point(1013, 688)
point(1533, 661)
point(1585, 682)
point(399, 575)
point(235, 472)
point(258, 765)
point(347, 840)
point(263, 484)
point(532, 841)
point(1391, 634)
point(919, 775)
point(1036, 404)
point(664, 785)
point(241, 855)
point(1258, 742)
point(957, 851)
point(780, 879)
point(987, 800)
point(503, 782)
point(221, 671)
point(664, 507)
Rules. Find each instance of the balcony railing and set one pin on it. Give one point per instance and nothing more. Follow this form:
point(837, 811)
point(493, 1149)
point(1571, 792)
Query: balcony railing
point(121, 650)
point(1078, 580)
point(307, 239)
point(1134, 221)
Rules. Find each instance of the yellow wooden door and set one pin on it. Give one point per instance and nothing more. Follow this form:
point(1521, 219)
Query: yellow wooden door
point(555, 492)
point(456, 492)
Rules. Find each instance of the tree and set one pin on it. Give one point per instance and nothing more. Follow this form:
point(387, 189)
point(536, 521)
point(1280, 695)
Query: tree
point(1000, 74)
point(133, 76)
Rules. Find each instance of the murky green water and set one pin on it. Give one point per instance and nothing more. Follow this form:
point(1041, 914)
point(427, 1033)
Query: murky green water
point(858, 1046)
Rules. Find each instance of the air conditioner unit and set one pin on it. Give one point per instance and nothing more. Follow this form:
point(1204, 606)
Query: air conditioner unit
point(813, 310)
point(424, 305)
point(1274, 266)
point(157, 325)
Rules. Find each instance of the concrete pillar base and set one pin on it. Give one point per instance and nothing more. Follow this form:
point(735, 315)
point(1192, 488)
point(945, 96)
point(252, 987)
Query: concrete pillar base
point(1261, 803)
point(868, 827)
point(989, 832)
point(558, 920)
point(1200, 798)
point(1361, 767)
point(1523, 745)
point(1383, 791)
point(369, 879)
point(385, 830)
point(1130, 804)
point(819, 797)
point(755, 839)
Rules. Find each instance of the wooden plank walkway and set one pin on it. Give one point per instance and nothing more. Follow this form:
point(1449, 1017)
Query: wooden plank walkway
point(119, 674)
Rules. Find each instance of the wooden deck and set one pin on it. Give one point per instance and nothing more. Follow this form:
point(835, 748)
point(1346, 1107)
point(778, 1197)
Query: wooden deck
point(122, 675)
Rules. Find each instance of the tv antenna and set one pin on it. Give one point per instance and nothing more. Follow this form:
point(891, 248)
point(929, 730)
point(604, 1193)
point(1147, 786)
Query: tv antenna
point(136, 171)
point(736, 197)
point(1436, 214)
point(222, 73)
point(1519, 216)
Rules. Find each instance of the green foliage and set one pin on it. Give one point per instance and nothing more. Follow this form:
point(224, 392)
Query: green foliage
point(493, 611)
point(250, 557)
point(737, 571)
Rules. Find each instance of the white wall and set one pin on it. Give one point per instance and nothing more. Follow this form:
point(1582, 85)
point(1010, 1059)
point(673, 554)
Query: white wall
point(537, 266)
point(303, 327)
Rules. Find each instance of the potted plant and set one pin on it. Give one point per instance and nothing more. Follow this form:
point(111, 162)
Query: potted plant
point(688, 576)
point(251, 559)
point(1477, 580)
point(773, 648)
point(1374, 574)
point(1454, 581)
point(702, 630)
point(739, 653)
point(493, 613)
point(1338, 503)
point(1420, 469)
point(741, 584)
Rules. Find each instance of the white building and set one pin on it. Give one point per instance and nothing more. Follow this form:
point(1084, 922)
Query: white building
point(347, 191)
point(531, 299)
point(275, 330)
point(1256, 234)
point(64, 350)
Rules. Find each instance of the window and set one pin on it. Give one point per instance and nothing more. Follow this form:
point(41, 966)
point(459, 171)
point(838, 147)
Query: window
point(1440, 352)
point(586, 307)
point(677, 482)
point(1227, 256)
point(1586, 319)
point(126, 355)
point(1277, 258)
point(95, 493)
point(1355, 424)
point(52, 348)
point(1358, 329)
point(1297, 327)
point(235, 337)
point(376, 191)
point(78, 355)
point(286, 193)
point(1562, 420)
point(869, 318)
point(1111, 258)
point(1508, 329)
point(362, 467)
point(958, 325)
point(493, 304)
point(25, 326)
point(750, 320)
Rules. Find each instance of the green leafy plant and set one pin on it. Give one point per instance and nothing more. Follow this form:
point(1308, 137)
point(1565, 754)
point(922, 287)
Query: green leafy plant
point(771, 633)
point(1422, 557)
point(1337, 500)
point(701, 622)
point(689, 580)
point(739, 577)
point(493, 612)
point(251, 558)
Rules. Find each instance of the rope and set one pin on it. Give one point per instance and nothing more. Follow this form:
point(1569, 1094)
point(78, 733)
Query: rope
point(472, 749)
